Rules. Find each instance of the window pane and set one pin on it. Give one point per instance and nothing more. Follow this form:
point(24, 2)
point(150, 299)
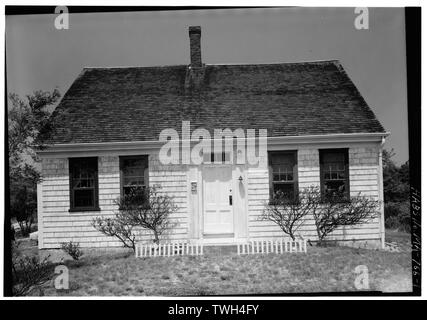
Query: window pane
point(334, 173)
point(335, 188)
point(282, 165)
point(84, 183)
point(338, 157)
point(84, 198)
point(283, 158)
point(285, 190)
point(133, 173)
point(132, 190)
point(84, 168)
point(212, 157)
point(133, 181)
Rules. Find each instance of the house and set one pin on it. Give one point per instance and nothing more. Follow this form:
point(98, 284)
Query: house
point(320, 131)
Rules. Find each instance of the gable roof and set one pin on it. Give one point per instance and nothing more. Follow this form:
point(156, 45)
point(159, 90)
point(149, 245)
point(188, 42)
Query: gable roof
point(137, 103)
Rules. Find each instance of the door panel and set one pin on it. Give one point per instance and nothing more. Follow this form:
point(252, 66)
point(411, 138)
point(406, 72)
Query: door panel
point(218, 212)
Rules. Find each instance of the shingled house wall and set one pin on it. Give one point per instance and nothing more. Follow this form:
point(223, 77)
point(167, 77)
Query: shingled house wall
point(57, 224)
point(364, 178)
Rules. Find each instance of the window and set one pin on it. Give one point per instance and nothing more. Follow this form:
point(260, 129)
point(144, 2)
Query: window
point(283, 172)
point(217, 158)
point(334, 174)
point(133, 174)
point(83, 184)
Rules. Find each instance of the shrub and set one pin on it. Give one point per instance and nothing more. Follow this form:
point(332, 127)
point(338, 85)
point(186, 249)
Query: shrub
point(397, 216)
point(289, 214)
point(29, 273)
point(118, 227)
point(147, 209)
point(73, 249)
point(336, 212)
point(329, 214)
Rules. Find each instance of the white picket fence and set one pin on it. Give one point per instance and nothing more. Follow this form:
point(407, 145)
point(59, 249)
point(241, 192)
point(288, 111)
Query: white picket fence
point(168, 249)
point(272, 246)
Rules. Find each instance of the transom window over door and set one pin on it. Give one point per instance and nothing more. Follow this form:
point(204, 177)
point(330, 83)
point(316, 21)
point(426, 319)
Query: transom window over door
point(283, 172)
point(217, 158)
point(83, 184)
point(334, 174)
point(134, 174)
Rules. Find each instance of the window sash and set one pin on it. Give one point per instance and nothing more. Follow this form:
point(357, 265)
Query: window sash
point(83, 169)
point(333, 171)
point(134, 176)
point(283, 170)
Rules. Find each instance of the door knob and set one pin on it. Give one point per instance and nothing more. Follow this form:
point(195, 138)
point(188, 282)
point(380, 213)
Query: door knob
point(230, 200)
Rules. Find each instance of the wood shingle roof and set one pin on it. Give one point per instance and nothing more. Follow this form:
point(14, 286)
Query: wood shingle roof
point(137, 103)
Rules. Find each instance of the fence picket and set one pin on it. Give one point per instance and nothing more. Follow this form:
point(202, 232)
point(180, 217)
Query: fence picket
point(261, 246)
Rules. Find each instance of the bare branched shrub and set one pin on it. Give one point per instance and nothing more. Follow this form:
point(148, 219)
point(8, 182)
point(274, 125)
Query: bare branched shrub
point(148, 209)
point(328, 213)
point(119, 227)
point(335, 212)
point(290, 213)
point(73, 249)
point(29, 273)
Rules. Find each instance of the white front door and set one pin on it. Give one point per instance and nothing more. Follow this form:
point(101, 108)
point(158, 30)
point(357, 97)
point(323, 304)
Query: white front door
point(217, 199)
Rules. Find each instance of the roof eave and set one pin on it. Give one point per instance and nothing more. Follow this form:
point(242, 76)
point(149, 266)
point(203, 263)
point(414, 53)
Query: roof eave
point(81, 149)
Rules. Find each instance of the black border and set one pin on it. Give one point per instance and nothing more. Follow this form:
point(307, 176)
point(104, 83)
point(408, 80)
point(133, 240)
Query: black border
point(413, 67)
point(413, 48)
point(25, 10)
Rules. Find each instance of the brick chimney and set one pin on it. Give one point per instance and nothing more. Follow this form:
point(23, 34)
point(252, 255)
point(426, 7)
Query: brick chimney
point(195, 49)
point(195, 75)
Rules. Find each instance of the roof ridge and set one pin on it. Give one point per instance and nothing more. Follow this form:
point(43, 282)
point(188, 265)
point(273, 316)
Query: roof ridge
point(276, 63)
point(135, 67)
point(310, 62)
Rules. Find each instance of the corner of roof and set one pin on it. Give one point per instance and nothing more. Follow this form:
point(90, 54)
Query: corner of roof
point(338, 64)
point(81, 74)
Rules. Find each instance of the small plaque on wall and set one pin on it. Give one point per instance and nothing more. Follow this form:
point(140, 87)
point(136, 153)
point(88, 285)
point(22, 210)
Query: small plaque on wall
point(193, 187)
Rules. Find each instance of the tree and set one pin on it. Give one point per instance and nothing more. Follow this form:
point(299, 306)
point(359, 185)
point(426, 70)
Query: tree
point(396, 193)
point(395, 178)
point(289, 214)
point(29, 127)
point(147, 209)
point(24, 207)
point(336, 212)
point(29, 124)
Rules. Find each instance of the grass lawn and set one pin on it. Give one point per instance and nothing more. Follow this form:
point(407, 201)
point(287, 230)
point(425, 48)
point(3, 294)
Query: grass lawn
point(320, 270)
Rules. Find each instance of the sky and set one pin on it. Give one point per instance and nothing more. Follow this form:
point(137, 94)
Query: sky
point(40, 57)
